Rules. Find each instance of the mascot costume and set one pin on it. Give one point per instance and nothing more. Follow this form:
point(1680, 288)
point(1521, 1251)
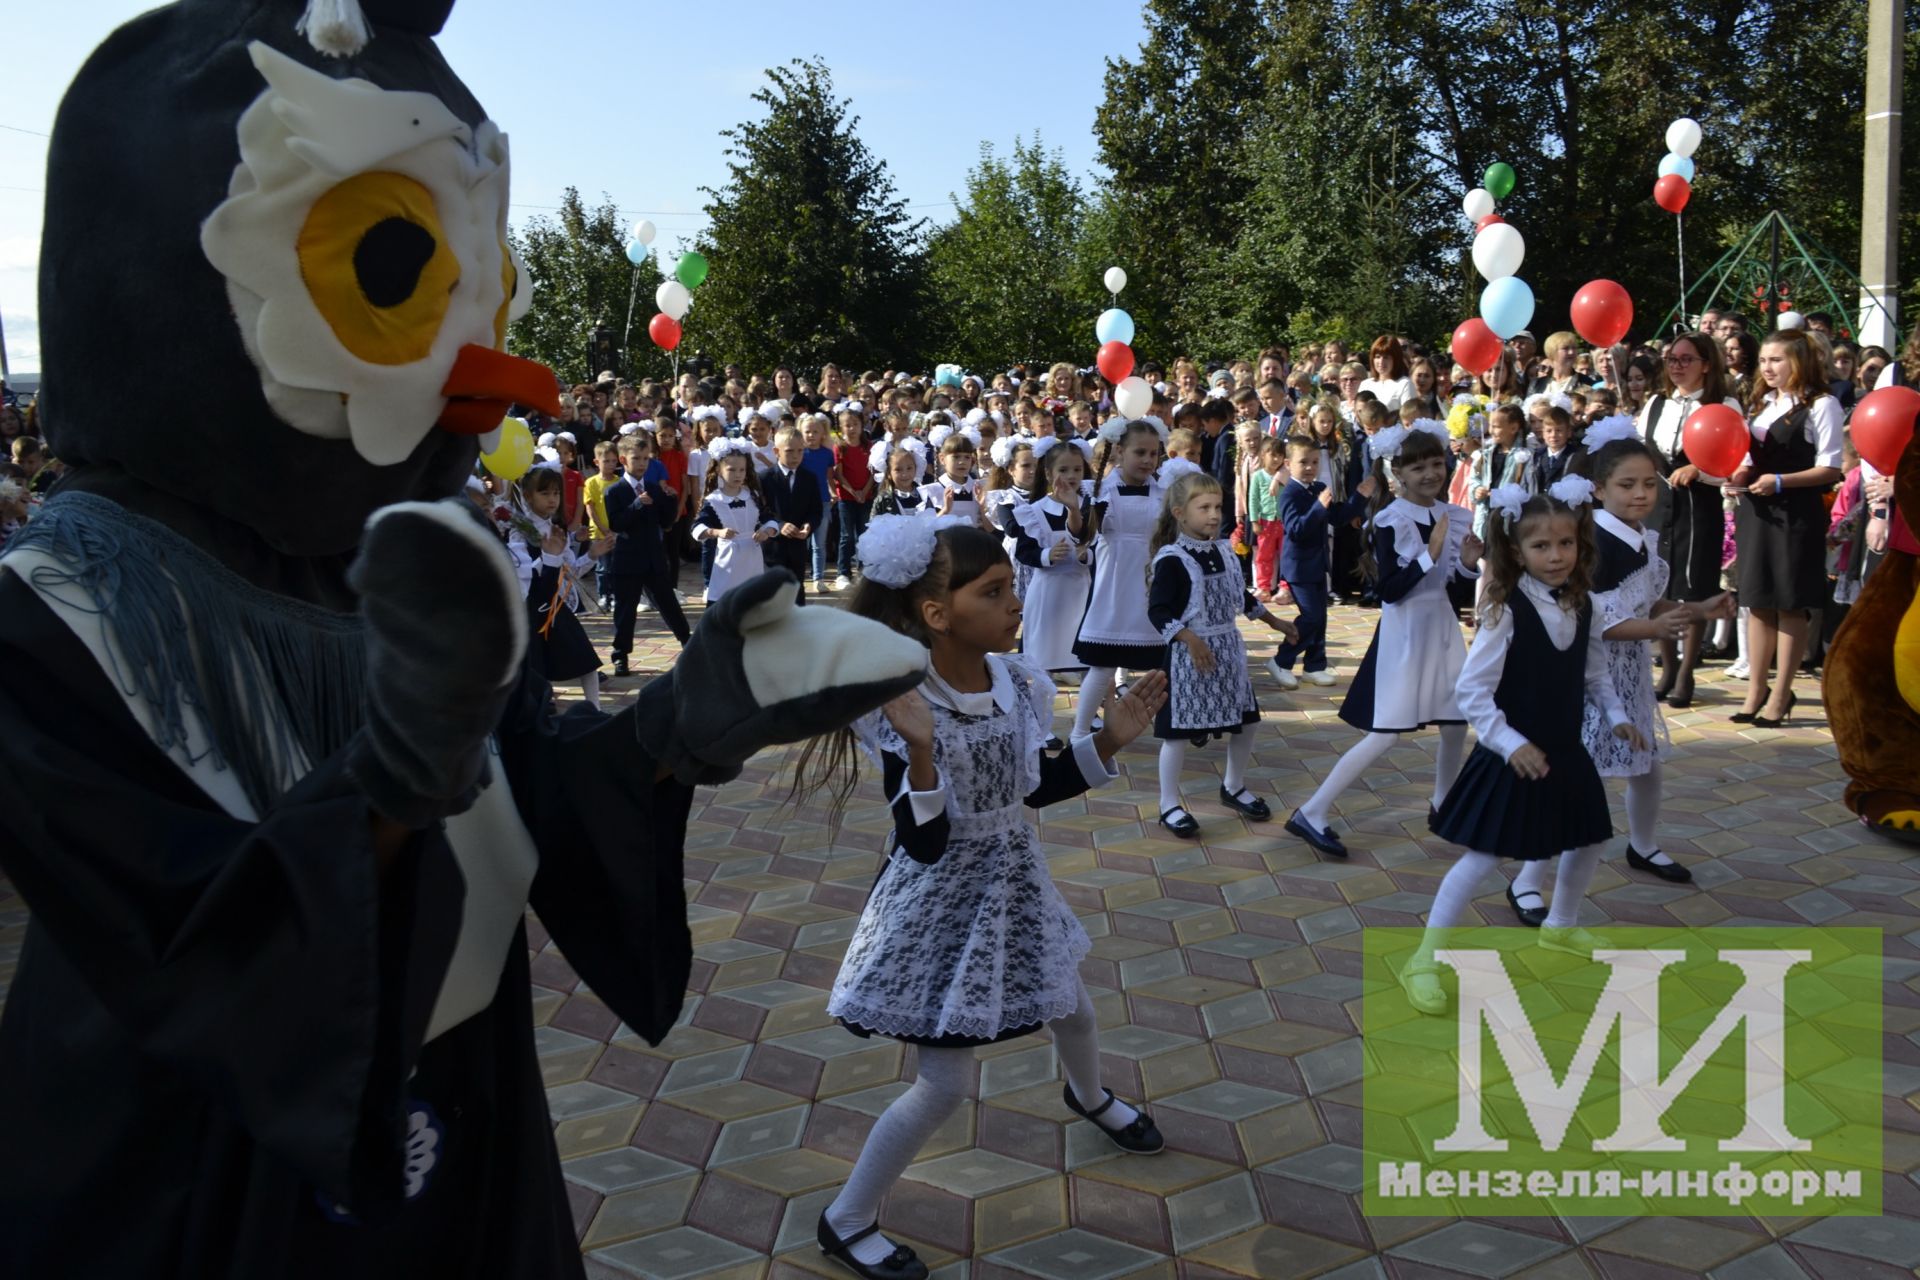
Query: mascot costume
point(279, 782)
point(1871, 685)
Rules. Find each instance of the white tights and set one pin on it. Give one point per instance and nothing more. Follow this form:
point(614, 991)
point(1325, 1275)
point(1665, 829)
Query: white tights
point(1346, 771)
point(1173, 758)
point(1643, 830)
point(936, 1093)
point(1452, 902)
point(1094, 688)
point(590, 688)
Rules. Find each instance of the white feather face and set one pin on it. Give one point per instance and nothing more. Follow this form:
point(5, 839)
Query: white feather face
point(363, 240)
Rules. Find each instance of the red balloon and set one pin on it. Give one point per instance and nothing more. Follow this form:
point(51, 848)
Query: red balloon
point(1882, 426)
point(665, 331)
point(1602, 312)
point(1715, 438)
point(1476, 348)
point(1486, 222)
point(1115, 361)
point(1671, 192)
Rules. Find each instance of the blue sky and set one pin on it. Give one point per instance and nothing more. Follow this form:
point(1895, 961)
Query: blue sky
point(630, 98)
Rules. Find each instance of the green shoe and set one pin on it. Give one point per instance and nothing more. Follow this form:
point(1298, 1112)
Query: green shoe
point(1421, 981)
point(1573, 941)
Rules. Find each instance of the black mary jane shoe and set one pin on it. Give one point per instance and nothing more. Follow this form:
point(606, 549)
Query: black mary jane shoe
point(1672, 871)
point(902, 1264)
point(1186, 828)
point(1140, 1138)
point(1255, 810)
point(1323, 841)
point(1532, 917)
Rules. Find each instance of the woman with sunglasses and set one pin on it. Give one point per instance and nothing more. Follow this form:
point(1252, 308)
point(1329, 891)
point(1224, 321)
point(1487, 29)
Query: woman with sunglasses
point(1690, 514)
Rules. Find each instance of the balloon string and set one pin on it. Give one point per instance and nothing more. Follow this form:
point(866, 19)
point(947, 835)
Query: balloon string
point(1680, 238)
point(633, 293)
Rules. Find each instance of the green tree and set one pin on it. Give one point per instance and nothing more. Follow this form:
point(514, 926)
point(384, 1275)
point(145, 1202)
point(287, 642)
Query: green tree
point(1007, 270)
point(577, 264)
point(812, 256)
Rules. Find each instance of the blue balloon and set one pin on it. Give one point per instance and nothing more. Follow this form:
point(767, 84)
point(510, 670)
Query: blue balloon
point(1674, 162)
point(1506, 305)
point(636, 252)
point(1114, 325)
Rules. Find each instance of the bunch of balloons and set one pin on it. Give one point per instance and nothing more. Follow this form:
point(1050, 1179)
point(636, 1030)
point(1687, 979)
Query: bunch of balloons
point(640, 243)
point(1114, 332)
point(674, 296)
point(1506, 304)
point(1674, 187)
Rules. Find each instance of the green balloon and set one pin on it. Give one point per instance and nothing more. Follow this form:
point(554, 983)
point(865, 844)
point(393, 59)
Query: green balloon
point(1498, 180)
point(692, 268)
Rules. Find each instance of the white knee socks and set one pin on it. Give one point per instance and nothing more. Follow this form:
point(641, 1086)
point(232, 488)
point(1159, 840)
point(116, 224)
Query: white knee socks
point(1076, 1042)
point(1643, 815)
point(1094, 689)
point(896, 1138)
point(1570, 885)
point(1458, 888)
point(1345, 772)
point(1173, 758)
point(1239, 756)
point(590, 687)
point(1448, 756)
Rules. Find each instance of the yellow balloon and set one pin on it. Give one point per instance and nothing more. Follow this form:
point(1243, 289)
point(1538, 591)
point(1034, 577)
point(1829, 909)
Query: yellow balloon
point(514, 454)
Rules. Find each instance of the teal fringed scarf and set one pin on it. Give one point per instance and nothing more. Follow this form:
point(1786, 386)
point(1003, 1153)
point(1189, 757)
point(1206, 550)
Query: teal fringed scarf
point(270, 678)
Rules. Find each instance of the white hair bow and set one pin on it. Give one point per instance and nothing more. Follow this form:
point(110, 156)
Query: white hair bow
point(1574, 491)
point(1508, 500)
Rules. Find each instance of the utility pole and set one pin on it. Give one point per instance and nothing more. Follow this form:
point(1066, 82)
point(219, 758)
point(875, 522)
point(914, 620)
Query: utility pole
point(1880, 195)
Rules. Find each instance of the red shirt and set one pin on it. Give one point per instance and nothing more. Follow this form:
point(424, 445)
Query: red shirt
point(852, 461)
point(675, 461)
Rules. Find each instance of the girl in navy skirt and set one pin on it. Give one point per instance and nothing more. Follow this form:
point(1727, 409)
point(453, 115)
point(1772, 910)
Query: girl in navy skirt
point(1529, 790)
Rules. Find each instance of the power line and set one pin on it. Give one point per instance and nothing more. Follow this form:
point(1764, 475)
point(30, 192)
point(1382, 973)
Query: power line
point(14, 128)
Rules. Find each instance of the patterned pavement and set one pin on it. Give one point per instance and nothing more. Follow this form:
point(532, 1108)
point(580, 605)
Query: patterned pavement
point(1226, 971)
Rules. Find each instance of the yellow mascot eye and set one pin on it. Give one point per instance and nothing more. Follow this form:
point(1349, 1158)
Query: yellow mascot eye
point(378, 267)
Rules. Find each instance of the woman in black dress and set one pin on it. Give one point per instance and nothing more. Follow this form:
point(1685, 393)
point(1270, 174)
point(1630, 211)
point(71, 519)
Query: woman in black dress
point(1690, 515)
point(1781, 525)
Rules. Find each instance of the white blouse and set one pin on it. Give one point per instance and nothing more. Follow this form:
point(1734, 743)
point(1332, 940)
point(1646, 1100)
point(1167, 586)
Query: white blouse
point(1487, 659)
point(1674, 412)
point(1825, 427)
point(1391, 392)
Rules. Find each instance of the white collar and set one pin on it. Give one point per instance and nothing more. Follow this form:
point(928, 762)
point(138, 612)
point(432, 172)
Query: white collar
point(999, 694)
point(1644, 538)
point(949, 482)
point(1413, 510)
point(1051, 505)
point(1540, 593)
point(1195, 544)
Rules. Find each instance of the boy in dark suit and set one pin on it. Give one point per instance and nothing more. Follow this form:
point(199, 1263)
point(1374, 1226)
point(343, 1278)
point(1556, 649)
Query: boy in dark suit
point(1557, 454)
point(794, 502)
point(1307, 512)
point(637, 512)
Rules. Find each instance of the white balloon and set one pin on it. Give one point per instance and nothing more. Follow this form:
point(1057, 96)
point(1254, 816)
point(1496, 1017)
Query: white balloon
point(1116, 279)
point(1498, 251)
point(1683, 136)
point(644, 231)
point(1133, 397)
point(673, 298)
point(1477, 205)
point(1791, 320)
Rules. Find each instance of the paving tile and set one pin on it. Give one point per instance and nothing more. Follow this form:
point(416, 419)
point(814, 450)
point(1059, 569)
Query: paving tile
point(977, 1173)
point(1890, 1240)
point(1334, 1165)
point(758, 1136)
point(678, 1254)
point(623, 1170)
point(1074, 1255)
point(1213, 1211)
point(1228, 1100)
point(1478, 1249)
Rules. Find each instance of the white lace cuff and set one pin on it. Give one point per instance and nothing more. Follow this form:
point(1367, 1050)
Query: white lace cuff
point(1172, 629)
point(927, 805)
point(1096, 771)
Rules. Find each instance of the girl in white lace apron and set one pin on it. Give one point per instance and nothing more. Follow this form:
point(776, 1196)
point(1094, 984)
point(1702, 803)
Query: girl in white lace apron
point(965, 941)
point(1418, 545)
point(1629, 586)
point(1115, 632)
point(1007, 489)
point(734, 517)
point(1194, 599)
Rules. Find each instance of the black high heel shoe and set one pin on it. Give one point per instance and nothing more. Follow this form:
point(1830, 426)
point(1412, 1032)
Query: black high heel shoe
point(1681, 701)
point(902, 1264)
point(1746, 717)
point(1786, 714)
point(1668, 674)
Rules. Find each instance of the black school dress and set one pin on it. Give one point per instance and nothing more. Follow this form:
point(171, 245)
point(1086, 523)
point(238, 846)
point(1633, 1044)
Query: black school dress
point(1541, 693)
point(1691, 518)
point(1783, 537)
